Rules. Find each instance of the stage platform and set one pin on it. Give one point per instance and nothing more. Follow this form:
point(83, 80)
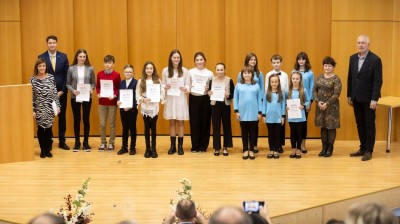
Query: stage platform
point(307, 190)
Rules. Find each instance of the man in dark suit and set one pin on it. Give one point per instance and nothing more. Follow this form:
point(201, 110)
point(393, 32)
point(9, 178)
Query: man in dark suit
point(57, 64)
point(364, 84)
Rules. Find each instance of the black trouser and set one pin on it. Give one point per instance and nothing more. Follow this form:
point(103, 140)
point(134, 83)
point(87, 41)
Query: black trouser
point(62, 123)
point(296, 133)
point(365, 119)
point(44, 138)
point(76, 110)
point(150, 124)
point(221, 112)
point(274, 136)
point(200, 121)
point(128, 120)
point(304, 133)
point(249, 132)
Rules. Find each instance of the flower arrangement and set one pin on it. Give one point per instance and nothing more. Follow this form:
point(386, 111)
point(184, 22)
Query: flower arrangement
point(186, 193)
point(77, 211)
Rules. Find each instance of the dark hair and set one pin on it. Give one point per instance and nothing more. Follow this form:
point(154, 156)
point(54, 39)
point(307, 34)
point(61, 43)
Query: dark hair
point(199, 54)
point(334, 221)
point(269, 92)
point(301, 88)
point(51, 37)
point(38, 62)
point(276, 57)
point(257, 219)
point(54, 219)
point(247, 59)
point(329, 61)
point(154, 76)
point(87, 62)
point(171, 66)
point(186, 210)
point(302, 55)
point(109, 58)
point(220, 63)
point(247, 69)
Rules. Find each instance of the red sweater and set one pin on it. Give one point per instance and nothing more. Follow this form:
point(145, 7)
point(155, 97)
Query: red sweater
point(115, 77)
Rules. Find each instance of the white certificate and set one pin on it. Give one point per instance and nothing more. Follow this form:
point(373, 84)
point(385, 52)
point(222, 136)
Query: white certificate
point(294, 110)
point(54, 106)
point(84, 92)
point(106, 88)
point(153, 92)
point(218, 91)
point(126, 98)
point(175, 85)
point(199, 83)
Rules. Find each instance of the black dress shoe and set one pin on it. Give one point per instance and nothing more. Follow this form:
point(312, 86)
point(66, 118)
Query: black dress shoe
point(63, 146)
point(225, 152)
point(216, 153)
point(77, 147)
point(293, 155)
point(358, 153)
point(86, 147)
point(132, 151)
point(245, 157)
point(194, 150)
point(298, 156)
point(255, 150)
point(367, 156)
point(276, 156)
point(270, 156)
point(42, 155)
point(49, 155)
point(123, 150)
point(280, 150)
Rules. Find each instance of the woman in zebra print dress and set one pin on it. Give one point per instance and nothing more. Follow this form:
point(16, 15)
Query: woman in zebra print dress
point(44, 92)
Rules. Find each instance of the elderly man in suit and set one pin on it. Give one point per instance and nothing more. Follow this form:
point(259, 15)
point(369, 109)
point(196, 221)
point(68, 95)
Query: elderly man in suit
point(363, 91)
point(57, 64)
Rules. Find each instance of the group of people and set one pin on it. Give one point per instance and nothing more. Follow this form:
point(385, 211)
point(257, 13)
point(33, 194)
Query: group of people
point(186, 212)
point(278, 99)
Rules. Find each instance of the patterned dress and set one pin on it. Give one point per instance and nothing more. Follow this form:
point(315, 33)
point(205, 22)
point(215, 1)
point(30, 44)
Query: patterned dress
point(328, 91)
point(44, 92)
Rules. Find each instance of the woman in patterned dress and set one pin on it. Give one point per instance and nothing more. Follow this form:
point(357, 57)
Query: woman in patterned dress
point(44, 94)
point(326, 93)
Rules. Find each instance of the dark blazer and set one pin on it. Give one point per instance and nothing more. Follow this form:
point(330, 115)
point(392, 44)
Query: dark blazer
point(365, 85)
point(60, 74)
point(132, 86)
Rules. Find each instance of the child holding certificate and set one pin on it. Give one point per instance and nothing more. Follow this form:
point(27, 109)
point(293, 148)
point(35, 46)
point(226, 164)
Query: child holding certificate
point(221, 93)
point(248, 108)
point(129, 112)
point(297, 91)
point(274, 115)
point(81, 82)
point(252, 62)
point(107, 87)
point(199, 104)
point(176, 82)
point(149, 85)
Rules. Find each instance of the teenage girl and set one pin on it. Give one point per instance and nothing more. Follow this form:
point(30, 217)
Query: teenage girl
point(149, 109)
point(176, 108)
point(248, 108)
point(252, 62)
point(221, 111)
point(297, 91)
point(274, 114)
point(199, 106)
point(303, 65)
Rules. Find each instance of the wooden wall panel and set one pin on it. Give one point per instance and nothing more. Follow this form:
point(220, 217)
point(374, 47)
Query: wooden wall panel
point(396, 10)
point(250, 27)
point(395, 78)
point(308, 30)
point(344, 37)
point(10, 48)
point(9, 10)
point(101, 28)
point(365, 10)
point(151, 37)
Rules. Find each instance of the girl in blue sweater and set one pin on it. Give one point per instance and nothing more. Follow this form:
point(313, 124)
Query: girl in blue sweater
point(248, 107)
point(297, 91)
point(274, 114)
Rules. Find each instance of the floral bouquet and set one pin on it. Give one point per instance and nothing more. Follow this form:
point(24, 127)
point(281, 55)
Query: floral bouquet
point(77, 211)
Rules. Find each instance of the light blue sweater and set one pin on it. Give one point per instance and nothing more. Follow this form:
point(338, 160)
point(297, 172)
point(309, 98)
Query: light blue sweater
point(308, 82)
point(259, 80)
point(295, 95)
point(274, 110)
point(247, 101)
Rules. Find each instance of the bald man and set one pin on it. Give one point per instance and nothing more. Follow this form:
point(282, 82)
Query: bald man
point(364, 84)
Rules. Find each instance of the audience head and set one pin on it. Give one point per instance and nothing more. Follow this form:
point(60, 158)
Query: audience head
point(47, 218)
point(127, 222)
point(230, 215)
point(370, 214)
point(185, 210)
point(257, 219)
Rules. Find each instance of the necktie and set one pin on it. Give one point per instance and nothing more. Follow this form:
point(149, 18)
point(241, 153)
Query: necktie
point(53, 62)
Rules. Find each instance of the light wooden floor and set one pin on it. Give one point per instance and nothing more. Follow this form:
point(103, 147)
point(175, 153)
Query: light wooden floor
point(132, 187)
